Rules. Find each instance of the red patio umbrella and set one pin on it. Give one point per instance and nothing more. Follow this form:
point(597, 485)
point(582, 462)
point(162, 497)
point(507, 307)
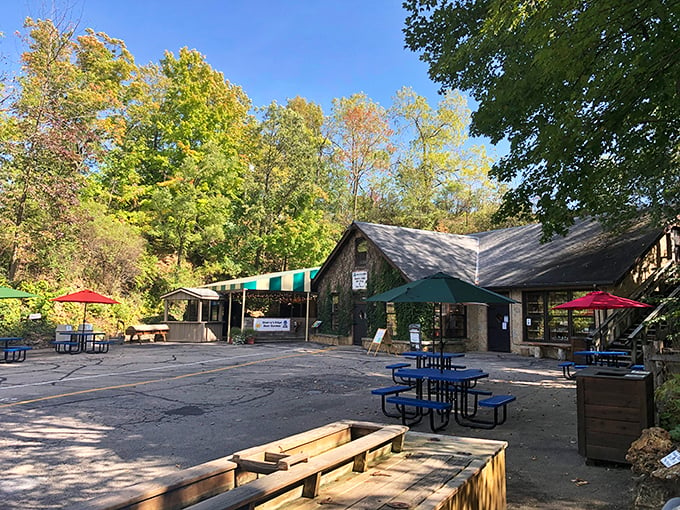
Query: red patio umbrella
point(599, 300)
point(86, 296)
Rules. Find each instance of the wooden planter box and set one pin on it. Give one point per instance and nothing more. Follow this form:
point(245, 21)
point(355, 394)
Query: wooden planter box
point(614, 405)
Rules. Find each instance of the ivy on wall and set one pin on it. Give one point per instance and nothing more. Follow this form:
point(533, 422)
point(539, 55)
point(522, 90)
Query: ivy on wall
point(344, 313)
point(384, 277)
point(324, 312)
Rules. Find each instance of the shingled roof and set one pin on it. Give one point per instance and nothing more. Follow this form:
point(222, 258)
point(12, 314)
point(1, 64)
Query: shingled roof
point(512, 257)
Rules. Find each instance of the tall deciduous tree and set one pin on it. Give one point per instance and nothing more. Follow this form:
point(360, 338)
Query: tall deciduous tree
point(361, 134)
point(438, 175)
point(178, 169)
point(64, 109)
point(586, 92)
point(283, 205)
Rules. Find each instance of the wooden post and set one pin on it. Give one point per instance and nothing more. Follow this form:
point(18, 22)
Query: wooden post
point(243, 309)
point(229, 319)
point(307, 319)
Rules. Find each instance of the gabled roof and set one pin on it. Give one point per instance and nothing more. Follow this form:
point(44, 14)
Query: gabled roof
point(511, 257)
point(191, 293)
point(420, 253)
point(586, 256)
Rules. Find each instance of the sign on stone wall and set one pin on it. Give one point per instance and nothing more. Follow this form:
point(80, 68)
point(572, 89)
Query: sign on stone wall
point(359, 280)
point(269, 324)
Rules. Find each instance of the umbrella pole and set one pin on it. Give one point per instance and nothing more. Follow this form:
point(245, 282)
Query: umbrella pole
point(441, 338)
point(84, 316)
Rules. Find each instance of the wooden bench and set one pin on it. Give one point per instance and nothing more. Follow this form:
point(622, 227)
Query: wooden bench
point(370, 472)
point(170, 492)
point(390, 390)
point(355, 456)
point(18, 353)
point(422, 406)
point(155, 331)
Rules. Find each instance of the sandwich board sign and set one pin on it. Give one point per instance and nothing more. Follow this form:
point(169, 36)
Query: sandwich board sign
point(377, 341)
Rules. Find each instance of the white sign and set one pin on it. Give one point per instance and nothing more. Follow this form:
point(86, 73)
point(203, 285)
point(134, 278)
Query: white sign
point(267, 324)
point(379, 335)
point(359, 280)
point(671, 459)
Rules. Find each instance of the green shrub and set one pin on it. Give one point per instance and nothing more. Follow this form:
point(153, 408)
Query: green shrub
point(237, 337)
point(667, 398)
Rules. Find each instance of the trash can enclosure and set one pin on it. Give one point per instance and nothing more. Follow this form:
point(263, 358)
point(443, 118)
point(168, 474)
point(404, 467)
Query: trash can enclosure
point(614, 405)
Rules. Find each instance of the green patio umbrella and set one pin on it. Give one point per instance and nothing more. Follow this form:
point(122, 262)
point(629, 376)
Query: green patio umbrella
point(440, 288)
point(9, 293)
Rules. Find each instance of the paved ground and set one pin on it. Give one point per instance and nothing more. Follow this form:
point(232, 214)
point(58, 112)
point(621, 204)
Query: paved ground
point(78, 426)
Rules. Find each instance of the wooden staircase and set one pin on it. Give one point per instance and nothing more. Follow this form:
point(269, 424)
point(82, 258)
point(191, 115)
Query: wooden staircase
point(630, 329)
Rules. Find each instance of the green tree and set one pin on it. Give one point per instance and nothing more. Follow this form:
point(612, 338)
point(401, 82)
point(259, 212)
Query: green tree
point(361, 135)
point(439, 178)
point(585, 92)
point(282, 216)
point(178, 169)
point(57, 121)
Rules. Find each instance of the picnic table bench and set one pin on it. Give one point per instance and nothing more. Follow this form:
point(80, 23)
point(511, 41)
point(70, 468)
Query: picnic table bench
point(66, 346)
point(16, 353)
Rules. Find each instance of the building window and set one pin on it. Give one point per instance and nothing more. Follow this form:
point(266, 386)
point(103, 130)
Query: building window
point(360, 252)
point(211, 311)
point(543, 324)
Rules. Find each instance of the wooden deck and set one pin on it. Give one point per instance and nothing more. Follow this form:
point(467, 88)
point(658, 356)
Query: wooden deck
point(347, 464)
point(432, 472)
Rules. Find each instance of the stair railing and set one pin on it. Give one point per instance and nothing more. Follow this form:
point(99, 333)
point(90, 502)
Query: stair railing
point(607, 332)
point(631, 338)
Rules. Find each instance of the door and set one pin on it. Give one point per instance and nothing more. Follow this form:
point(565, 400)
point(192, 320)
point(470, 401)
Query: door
point(359, 323)
point(498, 327)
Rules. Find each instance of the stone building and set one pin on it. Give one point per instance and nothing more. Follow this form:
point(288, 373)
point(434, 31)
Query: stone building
point(372, 258)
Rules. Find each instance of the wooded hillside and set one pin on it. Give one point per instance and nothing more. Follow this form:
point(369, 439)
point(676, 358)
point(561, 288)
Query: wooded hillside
point(135, 180)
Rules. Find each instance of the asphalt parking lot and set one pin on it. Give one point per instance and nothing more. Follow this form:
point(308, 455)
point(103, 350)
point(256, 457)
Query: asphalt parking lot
point(78, 426)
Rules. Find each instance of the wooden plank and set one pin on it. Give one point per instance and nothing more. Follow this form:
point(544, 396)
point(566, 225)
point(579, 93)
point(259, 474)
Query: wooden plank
point(288, 461)
point(171, 492)
point(321, 438)
point(450, 473)
point(258, 490)
point(613, 412)
point(612, 426)
point(622, 441)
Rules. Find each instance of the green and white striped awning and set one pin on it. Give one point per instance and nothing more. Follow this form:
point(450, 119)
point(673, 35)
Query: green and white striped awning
point(298, 280)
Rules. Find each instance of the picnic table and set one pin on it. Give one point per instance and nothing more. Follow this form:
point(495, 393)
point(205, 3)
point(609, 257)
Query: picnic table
point(608, 358)
point(79, 341)
point(427, 359)
point(14, 353)
point(438, 393)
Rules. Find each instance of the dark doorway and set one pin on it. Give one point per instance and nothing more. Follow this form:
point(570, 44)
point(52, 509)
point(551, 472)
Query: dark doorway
point(359, 323)
point(498, 327)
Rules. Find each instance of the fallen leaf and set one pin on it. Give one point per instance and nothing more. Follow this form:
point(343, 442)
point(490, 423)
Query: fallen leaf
point(578, 482)
point(378, 473)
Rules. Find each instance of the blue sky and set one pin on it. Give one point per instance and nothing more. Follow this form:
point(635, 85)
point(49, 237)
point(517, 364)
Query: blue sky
point(274, 49)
